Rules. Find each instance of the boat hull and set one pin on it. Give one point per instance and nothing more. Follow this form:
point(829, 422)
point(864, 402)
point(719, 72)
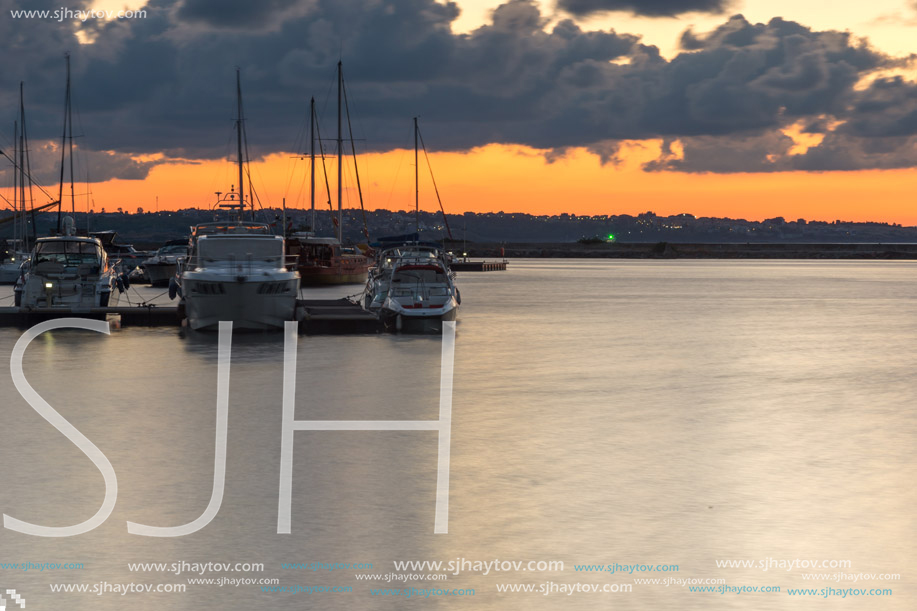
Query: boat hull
point(160, 273)
point(248, 304)
point(417, 320)
point(9, 273)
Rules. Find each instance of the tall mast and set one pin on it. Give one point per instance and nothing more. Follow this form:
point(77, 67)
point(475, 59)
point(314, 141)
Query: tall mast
point(63, 149)
point(340, 235)
point(23, 233)
point(70, 130)
point(239, 141)
point(16, 175)
point(26, 174)
point(312, 161)
point(416, 184)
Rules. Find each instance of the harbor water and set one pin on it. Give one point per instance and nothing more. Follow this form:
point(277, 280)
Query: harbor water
point(673, 415)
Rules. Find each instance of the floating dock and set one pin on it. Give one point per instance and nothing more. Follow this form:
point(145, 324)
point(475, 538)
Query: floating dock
point(335, 316)
point(144, 316)
point(315, 316)
point(478, 266)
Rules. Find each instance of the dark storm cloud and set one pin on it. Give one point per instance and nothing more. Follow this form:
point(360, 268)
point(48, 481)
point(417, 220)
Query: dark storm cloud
point(166, 83)
point(648, 8)
point(235, 13)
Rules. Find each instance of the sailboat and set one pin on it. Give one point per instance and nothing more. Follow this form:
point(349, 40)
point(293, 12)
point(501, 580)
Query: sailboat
point(236, 269)
point(65, 270)
point(17, 249)
point(412, 287)
point(325, 260)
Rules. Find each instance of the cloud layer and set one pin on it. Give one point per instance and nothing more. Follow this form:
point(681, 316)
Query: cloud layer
point(165, 83)
point(649, 8)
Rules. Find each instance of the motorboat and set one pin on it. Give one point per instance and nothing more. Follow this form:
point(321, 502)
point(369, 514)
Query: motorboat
point(11, 260)
point(162, 266)
point(68, 271)
point(411, 286)
point(236, 272)
point(420, 292)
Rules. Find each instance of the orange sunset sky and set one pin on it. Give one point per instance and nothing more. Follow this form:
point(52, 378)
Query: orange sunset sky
point(514, 177)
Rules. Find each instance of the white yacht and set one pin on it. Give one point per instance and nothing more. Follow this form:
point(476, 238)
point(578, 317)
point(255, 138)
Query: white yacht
point(412, 288)
point(236, 272)
point(68, 272)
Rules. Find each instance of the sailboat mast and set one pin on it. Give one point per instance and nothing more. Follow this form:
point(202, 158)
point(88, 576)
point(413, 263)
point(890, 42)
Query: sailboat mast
point(16, 176)
point(70, 130)
point(416, 183)
point(63, 149)
point(239, 141)
point(26, 174)
point(312, 161)
point(340, 232)
point(23, 232)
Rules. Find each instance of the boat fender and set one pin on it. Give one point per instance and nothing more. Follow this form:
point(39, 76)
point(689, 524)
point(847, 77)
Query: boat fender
point(174, 288)
point(458, 296)
point(120, 284)
point(126, 280)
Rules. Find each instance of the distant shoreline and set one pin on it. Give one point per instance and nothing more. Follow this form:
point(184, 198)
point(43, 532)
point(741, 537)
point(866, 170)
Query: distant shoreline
point(673, 250)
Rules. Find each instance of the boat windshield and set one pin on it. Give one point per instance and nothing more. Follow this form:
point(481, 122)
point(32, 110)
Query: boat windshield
point(416, 275)
point(214, 249)
point(68, 252)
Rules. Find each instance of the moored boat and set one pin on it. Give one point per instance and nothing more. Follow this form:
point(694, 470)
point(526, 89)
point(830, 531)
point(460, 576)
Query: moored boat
point(162, 266)
point(325, 260)
point(322, 260)
point(420, 293)
point(236, 272)
point(11, 259)
point(70, 272)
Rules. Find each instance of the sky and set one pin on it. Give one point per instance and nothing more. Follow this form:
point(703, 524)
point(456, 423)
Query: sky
point(738, 108)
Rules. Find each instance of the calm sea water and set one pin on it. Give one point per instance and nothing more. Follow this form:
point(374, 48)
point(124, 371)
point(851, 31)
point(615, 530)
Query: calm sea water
point(650, 413)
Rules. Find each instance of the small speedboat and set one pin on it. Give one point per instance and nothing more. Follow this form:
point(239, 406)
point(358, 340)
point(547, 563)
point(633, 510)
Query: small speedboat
point(412, 289)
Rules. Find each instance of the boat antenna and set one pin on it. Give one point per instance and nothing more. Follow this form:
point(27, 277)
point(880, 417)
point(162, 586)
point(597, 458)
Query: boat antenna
point(340, 228)
point(356, 169)
point(416, 184)
point(312, 161)
point(435, 188)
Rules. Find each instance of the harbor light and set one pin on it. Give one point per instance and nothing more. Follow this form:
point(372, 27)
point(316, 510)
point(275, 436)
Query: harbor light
point(49, 285)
